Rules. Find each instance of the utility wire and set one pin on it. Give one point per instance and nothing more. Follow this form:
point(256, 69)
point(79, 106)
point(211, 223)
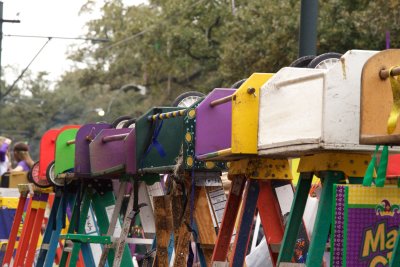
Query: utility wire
point(23, 72)
point(144, 31)
point(60, 37)
point(128, 38)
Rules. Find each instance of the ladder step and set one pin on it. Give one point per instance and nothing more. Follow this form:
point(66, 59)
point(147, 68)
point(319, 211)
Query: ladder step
point(275, 247)
point(291, 264)
point(45, 246)
point(220, 264)
point(67, 249)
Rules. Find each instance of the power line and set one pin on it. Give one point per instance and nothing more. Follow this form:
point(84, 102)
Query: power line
point(23, 72)
point(145, 30)
point(98, 40)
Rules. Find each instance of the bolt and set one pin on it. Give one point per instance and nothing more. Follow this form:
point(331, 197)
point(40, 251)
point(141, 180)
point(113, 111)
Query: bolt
point(251, 90)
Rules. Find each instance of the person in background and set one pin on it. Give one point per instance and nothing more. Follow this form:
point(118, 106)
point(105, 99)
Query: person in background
point(22, 157)
point(5, 162)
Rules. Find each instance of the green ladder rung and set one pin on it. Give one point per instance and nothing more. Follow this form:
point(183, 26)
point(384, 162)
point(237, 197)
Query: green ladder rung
point(87, 238)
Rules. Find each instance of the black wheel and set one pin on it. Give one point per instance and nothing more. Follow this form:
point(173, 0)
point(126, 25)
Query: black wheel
point(129, 123)
point(237, 84)
point(187, 99)
point(50, 175)
point(325, 61)
point(33, 177)
point(119, 122)
point(302, 62)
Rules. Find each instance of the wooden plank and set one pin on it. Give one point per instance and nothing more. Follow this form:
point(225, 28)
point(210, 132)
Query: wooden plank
point(163, 220)
point(113, 221)
point(182, 246)
point(154, 190)
point(177, 215)
point(207, 253)
point(204, 222)
point(120, 246)
point(377, 99)
point(146, 212)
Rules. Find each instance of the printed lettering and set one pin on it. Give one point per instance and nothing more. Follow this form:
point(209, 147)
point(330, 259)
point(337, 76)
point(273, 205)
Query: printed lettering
point(372, 240)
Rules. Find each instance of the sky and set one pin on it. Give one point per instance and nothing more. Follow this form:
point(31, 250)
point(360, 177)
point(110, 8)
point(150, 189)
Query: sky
point(42, 18)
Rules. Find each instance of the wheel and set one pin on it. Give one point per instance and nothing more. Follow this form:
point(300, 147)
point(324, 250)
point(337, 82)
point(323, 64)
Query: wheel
point(119, 122)
point(302, 62)
point(237, 84)
point(325, 61)
point(129, 123)
point(187, 99)
point(50, 175)
point(33, 177)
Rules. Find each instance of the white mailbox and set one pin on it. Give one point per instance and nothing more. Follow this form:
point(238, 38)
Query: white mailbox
point(304, 111)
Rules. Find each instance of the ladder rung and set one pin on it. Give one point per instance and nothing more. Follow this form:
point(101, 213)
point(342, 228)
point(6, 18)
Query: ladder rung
point(275, 247)
point(45, 246)
point(220, 264)
point(68, 249)
point(291, 264)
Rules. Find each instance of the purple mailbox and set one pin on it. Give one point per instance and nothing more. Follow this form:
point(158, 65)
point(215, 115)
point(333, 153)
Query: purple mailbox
point(85, 135)
point(213, 125)
point(113, 151)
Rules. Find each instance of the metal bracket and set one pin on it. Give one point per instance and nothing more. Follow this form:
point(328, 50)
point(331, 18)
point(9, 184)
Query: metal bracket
point(87, 238)
point(351, 164)
point(262, 168)
point(101, 185)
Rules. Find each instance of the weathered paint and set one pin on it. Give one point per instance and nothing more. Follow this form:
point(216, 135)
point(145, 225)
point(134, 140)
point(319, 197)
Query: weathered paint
point(245, 108)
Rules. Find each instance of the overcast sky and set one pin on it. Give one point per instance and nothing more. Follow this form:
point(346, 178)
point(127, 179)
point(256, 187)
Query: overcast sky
point(44, 18)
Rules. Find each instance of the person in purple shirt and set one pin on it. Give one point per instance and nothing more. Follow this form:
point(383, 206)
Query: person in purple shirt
point(22, 157)
point(4, 155)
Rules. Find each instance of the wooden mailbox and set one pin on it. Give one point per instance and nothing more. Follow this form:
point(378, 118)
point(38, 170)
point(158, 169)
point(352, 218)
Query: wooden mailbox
point(46, 151)
point(84, 137)
point(227, 121)
point(159, 137)
point(304, 111)
point(378, 98)
point(108, 151)
point(65, 151)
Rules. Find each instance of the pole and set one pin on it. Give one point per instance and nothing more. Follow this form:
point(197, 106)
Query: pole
point(1, 39)
point(308, 28)
point(1, 42)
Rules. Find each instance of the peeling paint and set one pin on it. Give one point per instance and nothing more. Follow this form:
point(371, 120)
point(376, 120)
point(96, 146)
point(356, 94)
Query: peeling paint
point(343, 61)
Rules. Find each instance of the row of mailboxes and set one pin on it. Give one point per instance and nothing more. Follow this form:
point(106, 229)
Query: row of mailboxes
point(295, 112)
